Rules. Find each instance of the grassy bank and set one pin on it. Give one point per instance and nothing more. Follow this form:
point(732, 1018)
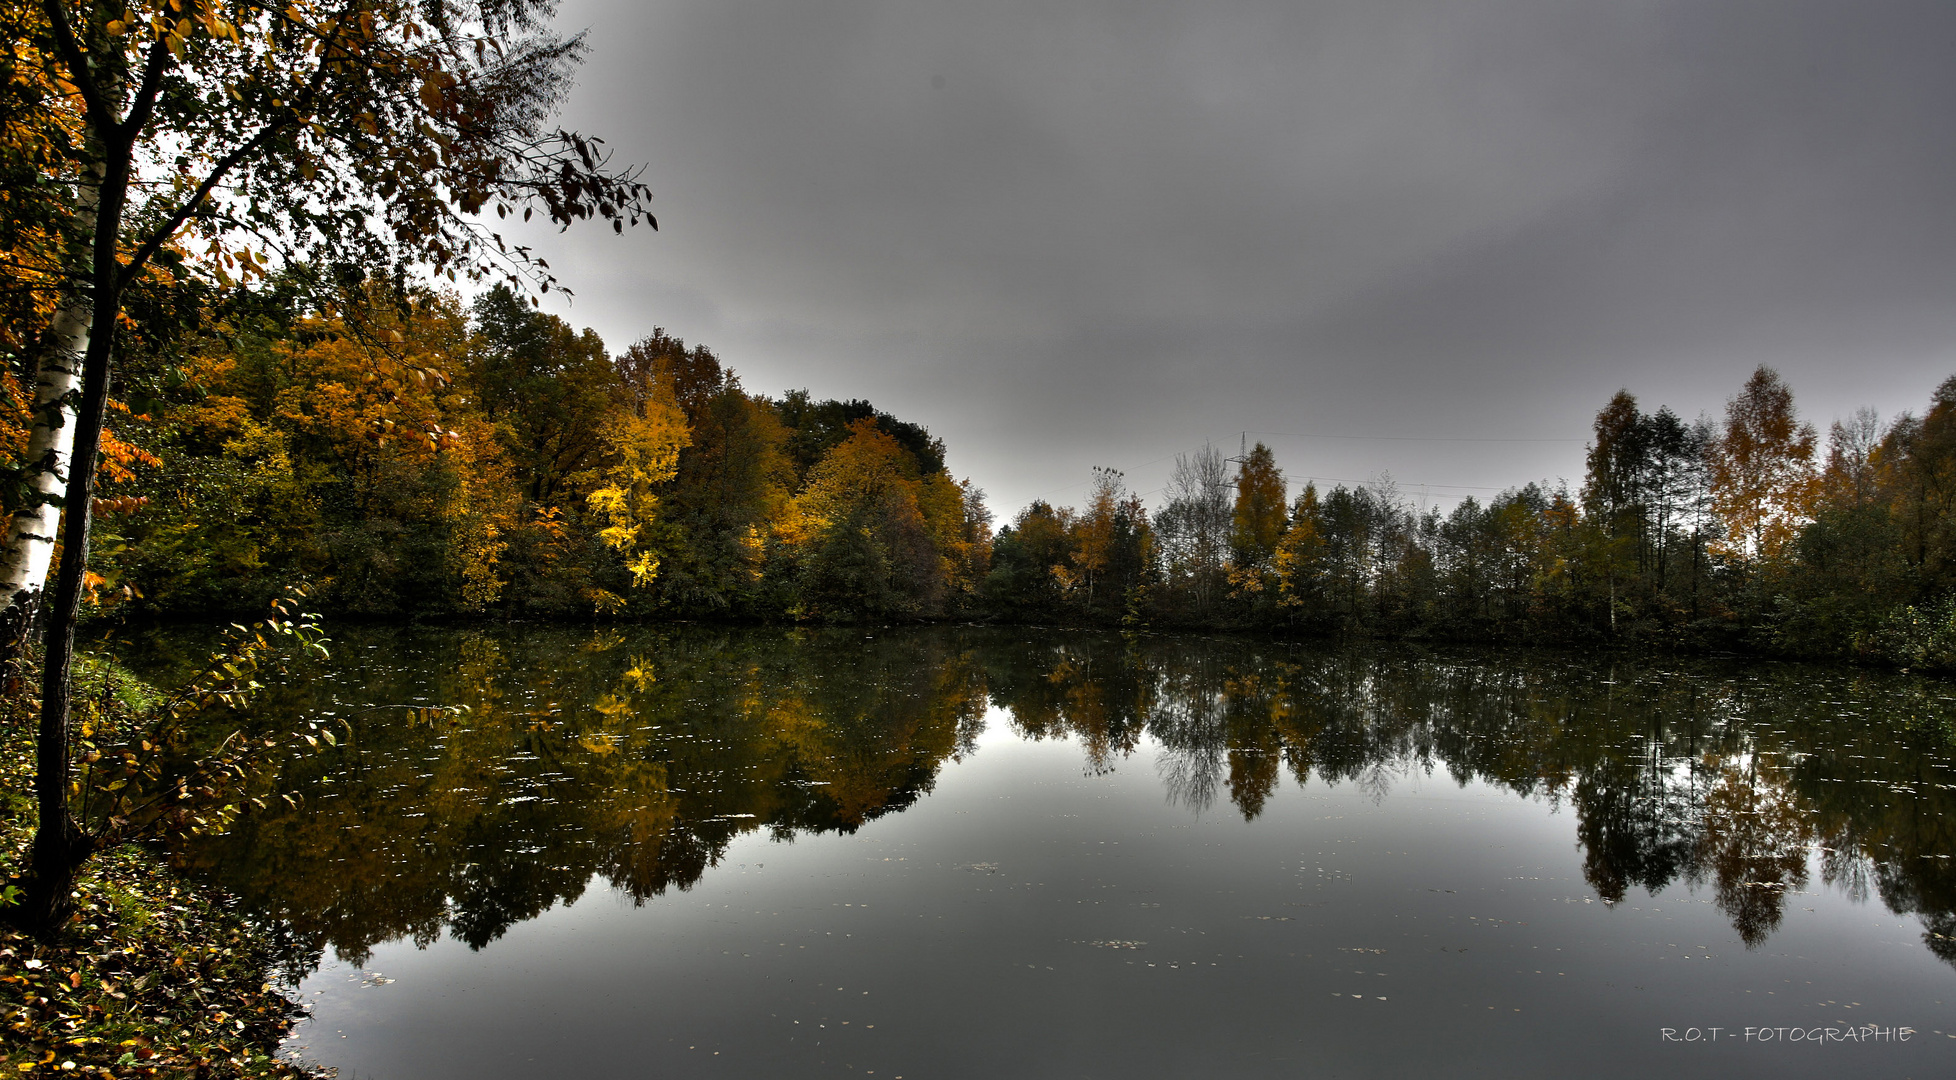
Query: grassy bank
point(155, 976)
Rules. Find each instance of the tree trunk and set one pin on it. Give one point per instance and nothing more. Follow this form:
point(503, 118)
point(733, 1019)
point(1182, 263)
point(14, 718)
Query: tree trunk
point(28, 549)
point(60, 844)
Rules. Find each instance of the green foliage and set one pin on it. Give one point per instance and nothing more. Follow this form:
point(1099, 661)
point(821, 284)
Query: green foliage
point(1021, 582)
point(422, 461)
point(1916, 638)
point(418, 461)
point(152, 976)
point(821, 426)
point(1682, 536)
point(546, 388)
point(154, 765)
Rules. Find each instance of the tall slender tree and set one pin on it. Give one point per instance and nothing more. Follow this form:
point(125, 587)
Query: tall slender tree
point(1094, 530)
point(1613, 492)
point(1259, 515)
point(1762, 468)
point(369, 131)
point(1194, 526)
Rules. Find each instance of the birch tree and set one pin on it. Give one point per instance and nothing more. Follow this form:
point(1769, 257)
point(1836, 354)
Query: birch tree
point(1194, 526)
point(222, 135)
point(52, 176)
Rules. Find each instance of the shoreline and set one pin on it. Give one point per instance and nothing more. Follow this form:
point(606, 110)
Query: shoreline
point(1726, 642)
point(155, 976)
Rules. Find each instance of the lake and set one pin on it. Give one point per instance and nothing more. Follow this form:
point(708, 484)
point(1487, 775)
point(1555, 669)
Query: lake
point(986, 852)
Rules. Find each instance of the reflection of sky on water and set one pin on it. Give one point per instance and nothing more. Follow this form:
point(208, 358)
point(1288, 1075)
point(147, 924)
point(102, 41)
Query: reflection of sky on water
point(1118, 873)
point(986, 932)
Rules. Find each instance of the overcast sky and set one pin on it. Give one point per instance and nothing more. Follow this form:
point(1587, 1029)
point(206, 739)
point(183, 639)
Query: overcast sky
point(1064, 234)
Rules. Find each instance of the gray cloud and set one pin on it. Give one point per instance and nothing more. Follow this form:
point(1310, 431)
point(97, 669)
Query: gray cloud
point(1065, 234)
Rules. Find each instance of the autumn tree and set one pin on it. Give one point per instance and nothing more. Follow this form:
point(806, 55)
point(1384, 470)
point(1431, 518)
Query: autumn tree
point(644, 440)
point(1613, 488)
point(549, 390)
point(864, 547)
point(371, 131)
point(1851, 476)
point(1762, 467)
point(819, 426)
point(1093, 531)
point(960, 532)
point(731, 482)
point(1259, 514)
point(690, 376)
point(370, 466)
point(1917, 467)
point(1021, 579)
point(1257, 521)
point(1300, 559)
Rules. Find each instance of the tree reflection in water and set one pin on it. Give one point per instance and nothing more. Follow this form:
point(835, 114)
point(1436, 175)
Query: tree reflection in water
point(639, 756)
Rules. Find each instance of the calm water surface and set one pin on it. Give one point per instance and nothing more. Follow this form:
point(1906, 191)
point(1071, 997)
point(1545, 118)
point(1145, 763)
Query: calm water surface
point(987, 853)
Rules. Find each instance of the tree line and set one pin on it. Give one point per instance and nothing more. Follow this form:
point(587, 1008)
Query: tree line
point(415, 457)
point(1740, 532)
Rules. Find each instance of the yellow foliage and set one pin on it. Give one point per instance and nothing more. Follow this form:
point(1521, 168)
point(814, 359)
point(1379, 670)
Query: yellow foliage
point(1300, 553)
point(15, 418)
point(644, 566)
point(640, 675)
point(942, 501)
point(1247, 581)
point(218, 416)
point(644, 447)
point(360, 395)
point(866, 469)
point(1763, 478)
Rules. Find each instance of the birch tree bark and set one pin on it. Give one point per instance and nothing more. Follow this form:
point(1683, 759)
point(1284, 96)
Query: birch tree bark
point(28, 549)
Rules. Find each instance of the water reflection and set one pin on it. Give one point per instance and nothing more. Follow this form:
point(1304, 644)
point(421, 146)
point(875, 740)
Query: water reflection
point(639, 756)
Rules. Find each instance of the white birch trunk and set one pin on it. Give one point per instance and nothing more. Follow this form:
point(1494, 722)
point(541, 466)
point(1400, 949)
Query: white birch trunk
point(28, 547)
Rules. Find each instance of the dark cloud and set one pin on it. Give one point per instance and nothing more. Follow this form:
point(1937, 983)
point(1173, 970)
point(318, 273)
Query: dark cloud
point(1064, 234)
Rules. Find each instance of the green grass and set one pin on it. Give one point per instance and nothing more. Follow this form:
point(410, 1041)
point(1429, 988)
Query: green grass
point(155, 976)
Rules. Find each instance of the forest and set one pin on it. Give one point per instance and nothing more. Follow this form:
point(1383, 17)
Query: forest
point(357, 391)
point(1733, 533)
point(414, 457)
